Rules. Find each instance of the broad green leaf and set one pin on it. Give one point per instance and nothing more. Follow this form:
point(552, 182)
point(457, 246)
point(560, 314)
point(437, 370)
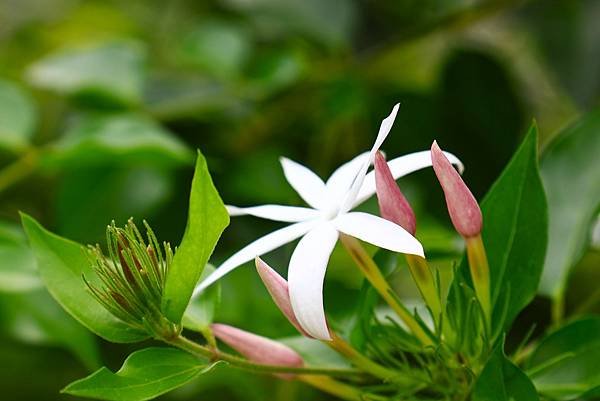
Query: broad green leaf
point(89, 198)
point(207, 218)
point(514, 233)
point(118, 139)
point(515, 230)
point(111, 72)
point(145, 374)
point(501, 380)
point(570, 170)
point(17, 117)
point(564, 366)
point(18, 271)
point(200, 312)
point(62, 263)
point(34, 317)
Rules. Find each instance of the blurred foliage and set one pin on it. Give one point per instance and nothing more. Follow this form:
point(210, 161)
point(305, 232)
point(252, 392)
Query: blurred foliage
point(102, 105)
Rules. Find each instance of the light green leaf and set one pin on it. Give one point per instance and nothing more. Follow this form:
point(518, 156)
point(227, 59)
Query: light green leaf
point(207, 218)
point(17, 117)
point(200, 312)
point(501, 380)
point(112, 72)
point(34, 317)
point(570, 169)
point(18, 272)
point(118, 139)
point(515, 226)
point(564, 366)
point(145, 374)
point(62, 264)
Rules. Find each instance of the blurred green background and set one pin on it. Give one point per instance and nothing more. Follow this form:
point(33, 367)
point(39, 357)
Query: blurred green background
point(103, 103)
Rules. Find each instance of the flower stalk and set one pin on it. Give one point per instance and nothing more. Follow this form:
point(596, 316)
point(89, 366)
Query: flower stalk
point(371, 271)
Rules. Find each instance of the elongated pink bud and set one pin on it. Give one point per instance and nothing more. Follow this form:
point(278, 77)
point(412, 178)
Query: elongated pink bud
point(462, 206)
point(256, 348)
point(278, 288)
point(393, 206)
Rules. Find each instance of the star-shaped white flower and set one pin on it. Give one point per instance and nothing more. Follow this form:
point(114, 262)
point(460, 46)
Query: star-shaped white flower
point(319, 226)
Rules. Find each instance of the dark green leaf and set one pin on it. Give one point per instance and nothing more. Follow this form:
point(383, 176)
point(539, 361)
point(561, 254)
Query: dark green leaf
point(145, 374)
point(501, 380)
point(34, 317)
point(564, 365)
point(570, 169)
point(207, 218)
point(201, 310)
point(118, 139)
point(62, 263)
point(17, 117)
point(110, 71)
point(18, 271)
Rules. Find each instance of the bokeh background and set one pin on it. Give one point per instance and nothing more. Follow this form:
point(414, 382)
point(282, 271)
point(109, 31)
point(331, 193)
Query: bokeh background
point(103, 103)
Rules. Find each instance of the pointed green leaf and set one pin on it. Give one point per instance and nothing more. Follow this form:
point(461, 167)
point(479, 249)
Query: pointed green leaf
point(62, 264)
point(18, 272)
point(501, 380)
point(201, 311)
point(207, 218)
point(145, 374)
point(17, 117)
point(564, 366)
point(570, 169)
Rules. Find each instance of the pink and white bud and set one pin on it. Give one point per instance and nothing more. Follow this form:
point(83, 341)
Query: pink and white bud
point(462, 205)
point(278, 289)
point(393, 206)
point(258, 349)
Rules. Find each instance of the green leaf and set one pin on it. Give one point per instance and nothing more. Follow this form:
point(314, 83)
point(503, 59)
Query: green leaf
point(501, 380)
point(564, 366)
point(62, 263)
point(17, 117)
point(18, 272)
point(515, 233)
point(117, 139)
point(145, 374)
point(207, 218)
point(515, 230)
point(201, 310)
point(570, 170)
point(34, 317)
point(112, 72)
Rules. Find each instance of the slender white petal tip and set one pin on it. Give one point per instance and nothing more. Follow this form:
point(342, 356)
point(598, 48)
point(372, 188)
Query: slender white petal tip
point(392, 203)
point(256, 348)
point(462, 205)
point(278, 289)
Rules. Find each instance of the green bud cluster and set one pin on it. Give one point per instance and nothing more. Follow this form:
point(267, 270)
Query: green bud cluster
point(129, 282)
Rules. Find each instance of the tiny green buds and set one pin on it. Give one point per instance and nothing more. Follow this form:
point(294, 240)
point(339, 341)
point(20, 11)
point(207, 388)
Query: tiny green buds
point(256, 348)
point(462, 205)
point(129, 282)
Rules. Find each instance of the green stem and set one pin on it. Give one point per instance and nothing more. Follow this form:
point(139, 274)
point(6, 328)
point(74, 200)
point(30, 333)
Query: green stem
point(215, 354)
point(480, 274)
point(334, 387)
point(423, 277)
point(373, 274)
point(19, 169)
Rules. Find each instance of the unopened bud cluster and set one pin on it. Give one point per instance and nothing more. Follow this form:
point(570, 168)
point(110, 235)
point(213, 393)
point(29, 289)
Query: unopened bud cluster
point(129, 281)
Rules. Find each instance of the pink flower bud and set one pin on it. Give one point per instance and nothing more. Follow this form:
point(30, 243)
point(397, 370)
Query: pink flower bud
point(462, 206)
point(392, 203)
point(278, 288)
point(258, 349)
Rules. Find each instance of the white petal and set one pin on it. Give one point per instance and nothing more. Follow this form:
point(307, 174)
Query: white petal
point(400, 167)
point(384, 130)
point(309, 186)
point(341, 179)
point(305, 279)
point(289, 214)
point(379, 232)
point(259, 247)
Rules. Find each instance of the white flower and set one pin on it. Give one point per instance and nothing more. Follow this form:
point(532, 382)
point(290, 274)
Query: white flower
point(320, 225)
